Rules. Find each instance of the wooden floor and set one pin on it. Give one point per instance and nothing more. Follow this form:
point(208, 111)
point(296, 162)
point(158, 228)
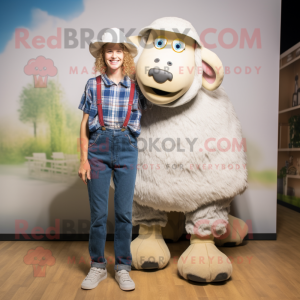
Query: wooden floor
point(272, 273)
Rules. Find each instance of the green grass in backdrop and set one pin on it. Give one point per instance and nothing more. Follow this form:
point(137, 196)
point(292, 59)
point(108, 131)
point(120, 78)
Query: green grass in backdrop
point(38, 106)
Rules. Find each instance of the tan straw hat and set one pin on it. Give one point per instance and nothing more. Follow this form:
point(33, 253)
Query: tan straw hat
point(112, 35)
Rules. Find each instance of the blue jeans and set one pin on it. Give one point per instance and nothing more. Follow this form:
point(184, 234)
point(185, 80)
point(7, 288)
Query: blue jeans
point(111, 149)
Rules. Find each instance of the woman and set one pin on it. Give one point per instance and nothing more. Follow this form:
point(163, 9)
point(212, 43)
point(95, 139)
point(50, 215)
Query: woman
point(109, 131)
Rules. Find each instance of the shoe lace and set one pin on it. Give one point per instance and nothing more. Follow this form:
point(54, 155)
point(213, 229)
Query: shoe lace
point(124, 275)
point(93, 273)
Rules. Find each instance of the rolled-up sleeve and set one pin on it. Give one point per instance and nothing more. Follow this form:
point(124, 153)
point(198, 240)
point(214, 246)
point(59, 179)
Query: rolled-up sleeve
point(86, 99)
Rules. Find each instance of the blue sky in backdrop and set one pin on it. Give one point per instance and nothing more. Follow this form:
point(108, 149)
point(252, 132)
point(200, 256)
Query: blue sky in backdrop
point(16, 14)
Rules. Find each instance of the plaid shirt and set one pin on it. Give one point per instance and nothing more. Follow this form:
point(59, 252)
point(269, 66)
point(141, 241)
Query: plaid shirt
point(115, 100)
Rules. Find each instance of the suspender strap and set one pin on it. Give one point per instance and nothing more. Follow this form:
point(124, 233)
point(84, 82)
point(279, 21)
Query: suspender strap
point(99, 103)
point(132, 89)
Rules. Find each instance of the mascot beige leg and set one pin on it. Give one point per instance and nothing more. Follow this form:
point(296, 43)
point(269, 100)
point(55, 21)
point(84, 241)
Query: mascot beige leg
point(149, 250)
point(202, 261)
point(237, 229)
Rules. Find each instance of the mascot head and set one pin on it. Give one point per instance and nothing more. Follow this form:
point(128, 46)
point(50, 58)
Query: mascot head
point(172, 64)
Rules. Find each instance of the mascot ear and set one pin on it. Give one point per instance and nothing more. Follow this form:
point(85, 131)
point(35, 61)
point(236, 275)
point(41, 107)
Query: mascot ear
point(213, 71)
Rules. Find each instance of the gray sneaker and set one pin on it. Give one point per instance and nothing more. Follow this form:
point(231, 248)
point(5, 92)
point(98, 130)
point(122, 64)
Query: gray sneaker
point(93, 278)
point(124, 280)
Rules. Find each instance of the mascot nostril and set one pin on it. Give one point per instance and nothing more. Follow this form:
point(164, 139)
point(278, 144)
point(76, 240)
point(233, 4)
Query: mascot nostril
point(160, 76)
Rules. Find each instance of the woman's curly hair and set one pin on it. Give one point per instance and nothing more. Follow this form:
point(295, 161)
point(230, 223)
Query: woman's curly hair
point(128, 67)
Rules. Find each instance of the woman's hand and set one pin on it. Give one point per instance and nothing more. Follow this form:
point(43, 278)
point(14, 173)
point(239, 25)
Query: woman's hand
point(84, 171)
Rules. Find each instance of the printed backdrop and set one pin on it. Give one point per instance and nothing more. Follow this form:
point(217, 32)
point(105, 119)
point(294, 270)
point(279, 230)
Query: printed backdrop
point(45, 64)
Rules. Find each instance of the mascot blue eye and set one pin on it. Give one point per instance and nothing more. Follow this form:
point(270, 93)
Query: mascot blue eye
point(160, 43)
point(178, 46)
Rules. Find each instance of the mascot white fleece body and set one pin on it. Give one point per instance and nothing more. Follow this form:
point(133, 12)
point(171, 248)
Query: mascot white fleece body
point(184, 113)
point(193, 180)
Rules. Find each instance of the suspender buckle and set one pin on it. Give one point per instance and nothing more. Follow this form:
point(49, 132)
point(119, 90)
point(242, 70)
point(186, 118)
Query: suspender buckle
point(123, 128)
point(103, 128)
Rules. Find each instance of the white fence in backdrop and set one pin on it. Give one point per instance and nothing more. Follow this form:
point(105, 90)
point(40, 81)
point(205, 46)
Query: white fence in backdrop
point(59, 167)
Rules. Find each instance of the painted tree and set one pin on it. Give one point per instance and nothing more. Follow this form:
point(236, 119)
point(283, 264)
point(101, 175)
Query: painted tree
point(55, 115)
point(49, 105)
point(32, 105)
point(45, 105)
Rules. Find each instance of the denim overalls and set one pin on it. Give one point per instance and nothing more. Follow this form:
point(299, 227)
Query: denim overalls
point(111, 148)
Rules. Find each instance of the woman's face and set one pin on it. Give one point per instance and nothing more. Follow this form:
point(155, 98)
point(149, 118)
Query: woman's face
point(113, 55)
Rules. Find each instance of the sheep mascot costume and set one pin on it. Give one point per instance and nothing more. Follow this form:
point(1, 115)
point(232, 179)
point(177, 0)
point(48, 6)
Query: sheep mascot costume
point(189, 123)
